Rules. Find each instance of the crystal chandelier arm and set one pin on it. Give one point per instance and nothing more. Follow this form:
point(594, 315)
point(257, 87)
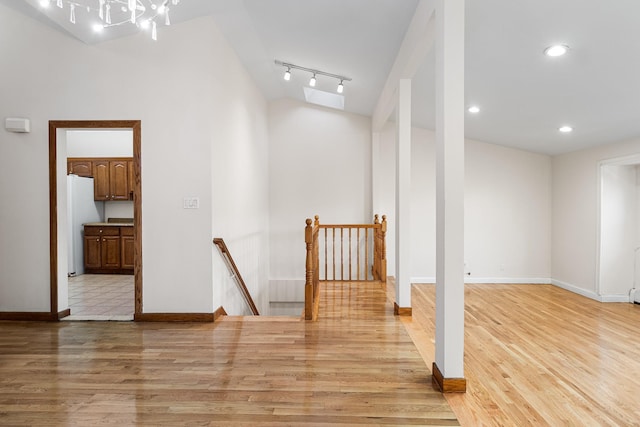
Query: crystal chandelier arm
point(114, 13)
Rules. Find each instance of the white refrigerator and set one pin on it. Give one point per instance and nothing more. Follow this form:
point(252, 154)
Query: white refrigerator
point(81, 208)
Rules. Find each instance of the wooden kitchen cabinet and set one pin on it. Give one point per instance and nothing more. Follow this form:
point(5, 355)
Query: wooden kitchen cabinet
point(110, 252)
point(111, 179)
point(101, 187)
point(80, 167)
point(108, 249)
point(127, 245)
point(131, 179)
point(92, 252)
point(112, 176)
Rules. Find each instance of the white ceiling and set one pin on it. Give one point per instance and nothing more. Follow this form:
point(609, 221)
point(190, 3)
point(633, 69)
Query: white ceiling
point(524, 95)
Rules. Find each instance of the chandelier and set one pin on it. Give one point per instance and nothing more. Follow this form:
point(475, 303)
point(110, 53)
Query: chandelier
point(144, 14)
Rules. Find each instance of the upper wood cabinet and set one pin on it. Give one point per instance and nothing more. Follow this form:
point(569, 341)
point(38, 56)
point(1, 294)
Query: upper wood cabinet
point(101, 187)
point(119, 179)
point(132, 182)
point(113, 177)
point(80, 168)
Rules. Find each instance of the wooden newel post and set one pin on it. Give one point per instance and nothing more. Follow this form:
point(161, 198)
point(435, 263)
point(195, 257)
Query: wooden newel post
point(375, 268)
point(308, 286)
point(383, 250)
point(380, 249)
point(316, 268)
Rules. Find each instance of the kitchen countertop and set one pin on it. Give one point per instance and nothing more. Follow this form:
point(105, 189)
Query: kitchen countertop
point(109, 224)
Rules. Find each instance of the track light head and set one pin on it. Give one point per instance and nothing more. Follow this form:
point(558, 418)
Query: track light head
point(312, 82)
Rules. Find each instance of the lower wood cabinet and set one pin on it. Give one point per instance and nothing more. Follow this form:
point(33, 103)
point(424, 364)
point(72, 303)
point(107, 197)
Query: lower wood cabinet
point(126, 248)
point(108, 249)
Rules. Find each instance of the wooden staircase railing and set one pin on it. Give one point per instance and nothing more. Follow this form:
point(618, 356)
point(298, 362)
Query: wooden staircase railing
point(233, 268)
point(347, 252)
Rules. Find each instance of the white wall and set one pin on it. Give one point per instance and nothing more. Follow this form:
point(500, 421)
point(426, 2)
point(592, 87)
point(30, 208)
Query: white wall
point(181, 95)
point(319, 164)
point(99, 143)
point(575, 215)
point(507, 214)
point(636, 248)
point(240, 160)
point(507, 210)
point(618, 230)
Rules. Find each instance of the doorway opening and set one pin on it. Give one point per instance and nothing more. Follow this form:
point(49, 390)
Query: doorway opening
point(619, 230)
point(61, 264)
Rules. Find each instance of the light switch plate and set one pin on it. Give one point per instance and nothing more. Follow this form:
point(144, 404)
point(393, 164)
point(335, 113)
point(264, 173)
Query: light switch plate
point(191, 203)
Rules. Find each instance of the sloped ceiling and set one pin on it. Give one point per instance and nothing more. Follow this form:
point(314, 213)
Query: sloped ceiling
point(524, 96)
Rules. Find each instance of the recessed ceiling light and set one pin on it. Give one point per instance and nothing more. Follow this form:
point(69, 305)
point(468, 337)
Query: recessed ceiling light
point(565, 129)
point(473, 109)
point(556, 50)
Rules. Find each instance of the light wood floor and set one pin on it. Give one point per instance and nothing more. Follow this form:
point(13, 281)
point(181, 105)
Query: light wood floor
point(537, 355)
point(356, 366)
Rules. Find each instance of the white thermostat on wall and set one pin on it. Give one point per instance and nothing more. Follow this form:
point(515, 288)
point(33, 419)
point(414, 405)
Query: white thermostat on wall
point(16, 124)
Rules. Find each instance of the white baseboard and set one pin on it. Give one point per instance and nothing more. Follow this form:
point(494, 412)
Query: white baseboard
point(614, 298)
point(589, 294)
point(500, 280)
point(508, 280)
point(423, 280)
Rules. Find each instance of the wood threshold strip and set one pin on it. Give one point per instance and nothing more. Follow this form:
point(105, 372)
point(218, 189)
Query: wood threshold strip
point(174, 317)
point(226, 255)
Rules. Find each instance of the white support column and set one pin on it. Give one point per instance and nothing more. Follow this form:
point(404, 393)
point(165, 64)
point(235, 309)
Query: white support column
point(448, 369)
point(375, 174)
point(403, 200)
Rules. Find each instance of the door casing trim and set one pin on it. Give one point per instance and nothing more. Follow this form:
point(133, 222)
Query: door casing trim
point(135, 126)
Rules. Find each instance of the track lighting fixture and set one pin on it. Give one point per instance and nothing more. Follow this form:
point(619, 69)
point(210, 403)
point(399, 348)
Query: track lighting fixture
point(313, 80)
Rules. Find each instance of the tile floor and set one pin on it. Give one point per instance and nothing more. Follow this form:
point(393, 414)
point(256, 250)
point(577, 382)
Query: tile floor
point(101, 297)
